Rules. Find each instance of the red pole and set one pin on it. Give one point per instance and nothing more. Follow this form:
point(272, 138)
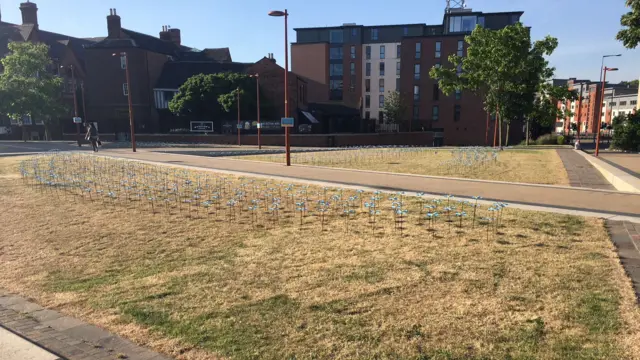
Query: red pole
point(598, 119)
point(238, 127)
point(286, 87)
point(258, 101)
point(131, 123)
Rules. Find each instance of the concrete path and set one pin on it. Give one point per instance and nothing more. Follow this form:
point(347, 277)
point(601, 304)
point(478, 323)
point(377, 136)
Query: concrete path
point(629, 163)
point(579, 199)
point(13, 347)
point(626, 237)
point(47, 335)
point(581, 172)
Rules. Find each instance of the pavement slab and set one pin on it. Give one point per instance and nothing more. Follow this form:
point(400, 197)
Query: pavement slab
point(13, 347)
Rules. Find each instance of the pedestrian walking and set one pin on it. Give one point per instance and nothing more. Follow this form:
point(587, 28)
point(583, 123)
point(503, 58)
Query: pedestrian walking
point(92, 136)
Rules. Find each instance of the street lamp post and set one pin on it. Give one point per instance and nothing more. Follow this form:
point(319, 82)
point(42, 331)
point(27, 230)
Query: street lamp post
point(286, 80)
point(602, 64)
point(131, 123)
point(257, 76)
point(84, 102)
point(599, 118)
point(238, 126)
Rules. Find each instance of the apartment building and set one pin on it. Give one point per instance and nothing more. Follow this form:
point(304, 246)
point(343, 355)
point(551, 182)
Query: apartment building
point(357, 66)
point(618, 98)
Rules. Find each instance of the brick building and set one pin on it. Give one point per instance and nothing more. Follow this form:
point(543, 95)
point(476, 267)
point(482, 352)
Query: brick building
point(66, 52)
point(585, 110)
point(358, 66)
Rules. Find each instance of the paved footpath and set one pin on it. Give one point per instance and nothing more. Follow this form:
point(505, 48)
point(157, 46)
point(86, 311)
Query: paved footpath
point(34, 333)
point(581, 172)
point(626, 237)
point(579, 199)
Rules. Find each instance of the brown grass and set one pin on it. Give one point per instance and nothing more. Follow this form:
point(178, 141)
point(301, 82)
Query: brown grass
point(544, 287)
point(524, 166)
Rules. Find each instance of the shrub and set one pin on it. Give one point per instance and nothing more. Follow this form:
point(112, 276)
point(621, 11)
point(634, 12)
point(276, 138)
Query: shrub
point(626, 132)
point(560, 140)
point(548, 139)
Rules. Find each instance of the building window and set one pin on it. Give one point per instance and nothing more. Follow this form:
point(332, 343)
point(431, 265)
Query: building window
point(381, 101)
point(405, 31)
point(458, 94)
point(367, 85)
point(335, 69)
point(416, 93)
point(612, 104)
point(367, 115)
point(381, 68)
point(437, 65)
point(623, 103)
point(123, 62)
point(463, 23)
point(436, 92)
point(397, 84)
point(381, 85)
point(367, 101)
point(398, 50)
point(460, 48)
point(354, 32)
point(416, 71)
point(335, 89)
point(368, 52)
point(438, 49)
point(456, 112)
point(374, 34)
point(353, 52)
point(418, 50)
point(382, 51)
point(398, 68)
point(335, 53)
point(634, 102)
point(435, 113)
point(367, 71)
point(353, 69)
point(459, 69)
point(380, 117)
point(416, 111)
point(125, 89)
point(336, 36)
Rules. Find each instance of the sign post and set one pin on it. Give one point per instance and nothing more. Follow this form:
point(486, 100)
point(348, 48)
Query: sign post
point(287, 123)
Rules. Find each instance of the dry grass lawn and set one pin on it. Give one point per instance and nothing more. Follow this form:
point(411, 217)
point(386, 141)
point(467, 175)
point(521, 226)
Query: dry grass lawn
point(524, 166)
point(545, 286)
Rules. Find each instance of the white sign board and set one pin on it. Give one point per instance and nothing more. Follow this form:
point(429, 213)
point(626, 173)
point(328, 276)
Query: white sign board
point(77, 120)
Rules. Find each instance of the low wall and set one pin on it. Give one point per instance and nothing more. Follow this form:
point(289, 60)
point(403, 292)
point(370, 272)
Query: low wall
point(300, 140)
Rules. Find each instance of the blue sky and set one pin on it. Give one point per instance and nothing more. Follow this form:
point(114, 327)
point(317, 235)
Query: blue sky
point(585, 29)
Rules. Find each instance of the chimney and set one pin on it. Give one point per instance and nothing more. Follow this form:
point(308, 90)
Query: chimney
point(175, 37)
point(164, 34)
point(29, 13)
point(114, 24)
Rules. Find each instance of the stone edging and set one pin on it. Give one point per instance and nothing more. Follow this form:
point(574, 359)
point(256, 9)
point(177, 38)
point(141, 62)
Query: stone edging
point(65, 336)
point(621, 180)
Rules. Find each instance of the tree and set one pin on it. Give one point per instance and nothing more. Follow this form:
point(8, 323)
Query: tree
point(626, 132)
point(394, 109)
point(502, 66)
point(632, 83)
point(544, 110)
point(212, 96)
point(28, 87)
point(630, 36)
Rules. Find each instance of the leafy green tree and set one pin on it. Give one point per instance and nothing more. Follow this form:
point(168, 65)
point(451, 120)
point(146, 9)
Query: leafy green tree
point(544, 110)
point(503, 67)
point(213, 96)
point(630, 36)
point(394, 109)
point(632, 83)
point(626, 132)
point(28, 88)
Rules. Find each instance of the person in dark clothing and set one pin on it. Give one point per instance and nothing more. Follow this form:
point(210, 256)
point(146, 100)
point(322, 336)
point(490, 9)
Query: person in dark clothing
point(92, 136)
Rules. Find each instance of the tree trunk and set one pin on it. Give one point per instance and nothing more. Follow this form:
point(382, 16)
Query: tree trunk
point(47, 134)
point(527, 134)
point(500, 133)
point(506, 137)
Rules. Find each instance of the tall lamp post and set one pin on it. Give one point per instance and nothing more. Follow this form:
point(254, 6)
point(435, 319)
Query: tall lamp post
point(131, 123)
point(602, 64)
point(75, 100)
point(286, 80)
point(599, 119)
point(257, 76)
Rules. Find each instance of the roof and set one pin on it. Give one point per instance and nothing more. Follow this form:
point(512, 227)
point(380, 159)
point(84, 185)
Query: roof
point(144, 41)
point(219, 54)
point(176, 73)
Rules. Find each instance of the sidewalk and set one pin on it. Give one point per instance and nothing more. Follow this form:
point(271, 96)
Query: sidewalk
point(626, 237)
point(581, 172)
point(609, 202)
point(36, 333)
